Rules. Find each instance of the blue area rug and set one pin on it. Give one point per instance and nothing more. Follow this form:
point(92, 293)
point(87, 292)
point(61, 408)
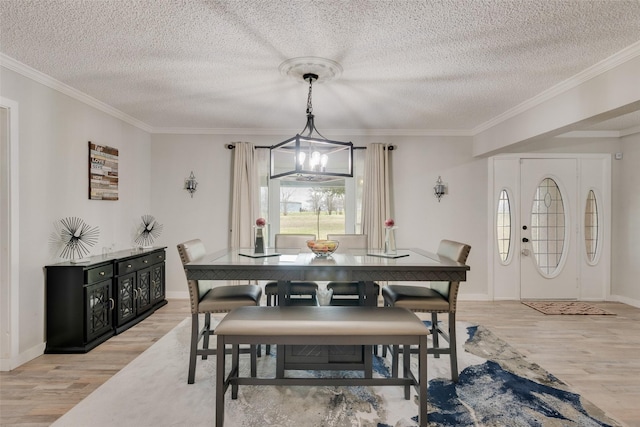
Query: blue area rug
point(497, 387)
point(492, 395)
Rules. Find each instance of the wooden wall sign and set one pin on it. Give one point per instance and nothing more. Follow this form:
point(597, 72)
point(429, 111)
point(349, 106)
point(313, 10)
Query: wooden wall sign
point(103, 172)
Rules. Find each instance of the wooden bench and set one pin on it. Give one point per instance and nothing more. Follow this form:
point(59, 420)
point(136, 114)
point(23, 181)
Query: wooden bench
point(365, 326)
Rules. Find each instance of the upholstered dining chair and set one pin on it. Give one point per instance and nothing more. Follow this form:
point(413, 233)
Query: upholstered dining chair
point(207, 299)
point(304, 292)
point(438, 297)
point(349, 293)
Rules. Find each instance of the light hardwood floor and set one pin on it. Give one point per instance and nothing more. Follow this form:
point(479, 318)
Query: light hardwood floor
point(596, 355)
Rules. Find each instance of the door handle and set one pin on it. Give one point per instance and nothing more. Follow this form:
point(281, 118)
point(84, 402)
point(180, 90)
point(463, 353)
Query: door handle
point(525, 240)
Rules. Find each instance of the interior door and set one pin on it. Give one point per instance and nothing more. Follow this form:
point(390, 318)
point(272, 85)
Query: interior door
point(548, 235)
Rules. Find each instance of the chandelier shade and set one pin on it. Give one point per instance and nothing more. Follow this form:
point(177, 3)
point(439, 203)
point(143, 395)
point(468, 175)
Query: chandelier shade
point(311, 159)
point(307, 157)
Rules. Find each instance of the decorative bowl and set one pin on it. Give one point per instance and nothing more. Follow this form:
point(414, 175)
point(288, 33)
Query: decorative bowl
point(322, 248)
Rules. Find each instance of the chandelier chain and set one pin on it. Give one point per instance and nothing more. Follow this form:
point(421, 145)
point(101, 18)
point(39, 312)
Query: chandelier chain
point(309, 106)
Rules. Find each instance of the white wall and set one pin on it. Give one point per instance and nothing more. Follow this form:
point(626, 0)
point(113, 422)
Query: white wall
point(206, 215)
point(422, 221)
point(53, 183)
point(626, 223)
point(416, 164)
point(54, 130)
point(460, 215)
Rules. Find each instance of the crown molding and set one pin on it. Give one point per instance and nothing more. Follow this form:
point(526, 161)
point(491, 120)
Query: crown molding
point(630, 131)
point(591, 134)
point(33, 74)
point(601, 133)
point(601, 67)
point(334, 132)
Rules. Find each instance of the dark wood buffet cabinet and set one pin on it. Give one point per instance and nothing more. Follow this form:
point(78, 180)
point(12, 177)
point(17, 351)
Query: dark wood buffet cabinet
point(89, 302)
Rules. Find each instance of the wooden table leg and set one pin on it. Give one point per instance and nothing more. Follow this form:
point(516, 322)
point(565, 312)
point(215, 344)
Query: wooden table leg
point(370, 296)
point(220, 389)
point(254, 362)
point(423, 386)
point(395, 350)
point(235, 369)
point(284, 291)
point(368, 360)
point(406, 367)
point(280, 349)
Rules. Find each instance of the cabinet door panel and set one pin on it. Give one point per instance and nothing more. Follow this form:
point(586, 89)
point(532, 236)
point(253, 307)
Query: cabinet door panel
point(157, 283)
point(126, 298)
point(144, 290)
point(99, 309)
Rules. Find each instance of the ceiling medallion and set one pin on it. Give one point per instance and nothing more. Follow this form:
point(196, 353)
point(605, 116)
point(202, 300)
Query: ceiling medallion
point(325, 69)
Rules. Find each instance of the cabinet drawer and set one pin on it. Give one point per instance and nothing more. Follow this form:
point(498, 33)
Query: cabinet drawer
point(153, 258)
point(98, 274)
point(137, 263)
point(129, 266)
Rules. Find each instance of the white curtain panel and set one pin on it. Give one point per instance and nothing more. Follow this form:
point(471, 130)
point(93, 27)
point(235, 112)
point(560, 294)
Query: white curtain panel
point(245, 192)
point(376, 197)
point(262, 159)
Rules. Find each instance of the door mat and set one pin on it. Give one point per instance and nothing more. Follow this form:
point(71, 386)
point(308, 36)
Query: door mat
point(566, 307)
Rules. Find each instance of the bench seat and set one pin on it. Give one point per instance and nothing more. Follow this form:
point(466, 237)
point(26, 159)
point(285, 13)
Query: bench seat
point(291, 325)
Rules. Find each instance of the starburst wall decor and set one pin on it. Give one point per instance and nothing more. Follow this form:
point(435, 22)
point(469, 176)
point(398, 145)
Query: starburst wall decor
point(75, 236)
point(150, 229)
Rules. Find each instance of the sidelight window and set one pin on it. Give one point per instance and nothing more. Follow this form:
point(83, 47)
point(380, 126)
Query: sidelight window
point(503, 226)
point(591, 228)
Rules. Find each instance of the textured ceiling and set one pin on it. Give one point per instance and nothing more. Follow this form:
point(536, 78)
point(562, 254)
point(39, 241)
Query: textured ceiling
point(408, 66)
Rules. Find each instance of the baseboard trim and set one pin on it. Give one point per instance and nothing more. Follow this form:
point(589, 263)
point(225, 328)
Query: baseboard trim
point(473, 297)
point(177, 295)
point(625, 300)
point(22, 358)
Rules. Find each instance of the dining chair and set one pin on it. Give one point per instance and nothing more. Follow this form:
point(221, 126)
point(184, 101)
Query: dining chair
point(438, 297)
point(207, 299)
point(349, 293)
point(304, 293)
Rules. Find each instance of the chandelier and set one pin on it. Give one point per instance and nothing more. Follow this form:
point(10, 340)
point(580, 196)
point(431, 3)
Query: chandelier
point(311, 156)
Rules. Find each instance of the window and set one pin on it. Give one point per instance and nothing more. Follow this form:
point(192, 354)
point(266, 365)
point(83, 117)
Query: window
point(591, 226)
point(320, 208)
point(548, 226)
point(503, 226)
point(312, 208)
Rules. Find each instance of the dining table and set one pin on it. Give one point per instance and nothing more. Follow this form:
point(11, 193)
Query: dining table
point(366, 266)
point(353, 265)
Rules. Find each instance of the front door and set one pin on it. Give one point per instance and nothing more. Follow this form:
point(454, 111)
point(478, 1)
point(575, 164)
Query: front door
point(548, 229)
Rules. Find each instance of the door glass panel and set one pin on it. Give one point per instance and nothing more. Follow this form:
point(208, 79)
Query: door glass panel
point(547, 226)
point(591, 226)
point(503, 225)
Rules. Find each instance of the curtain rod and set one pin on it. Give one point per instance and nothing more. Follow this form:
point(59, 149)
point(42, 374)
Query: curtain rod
point(232, 146)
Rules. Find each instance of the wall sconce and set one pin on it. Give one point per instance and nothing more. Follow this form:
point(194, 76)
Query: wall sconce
point(439, 189)
point(190, 184)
